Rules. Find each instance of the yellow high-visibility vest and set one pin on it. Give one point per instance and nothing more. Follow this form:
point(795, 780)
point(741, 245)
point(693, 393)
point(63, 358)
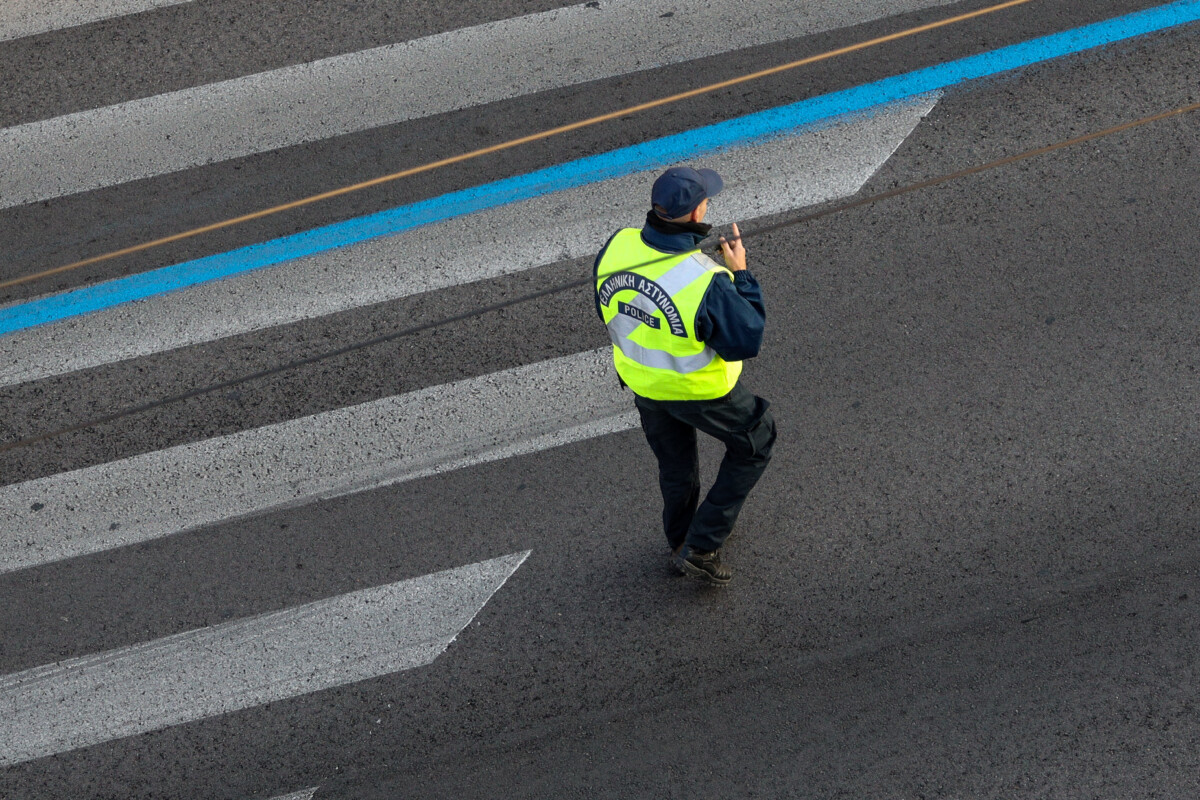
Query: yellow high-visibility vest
point(649, 300)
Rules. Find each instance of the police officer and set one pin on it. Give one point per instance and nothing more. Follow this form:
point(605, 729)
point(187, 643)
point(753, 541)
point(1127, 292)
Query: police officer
point(681, 325)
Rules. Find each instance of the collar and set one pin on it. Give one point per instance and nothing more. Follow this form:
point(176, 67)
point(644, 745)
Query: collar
point(673, 237)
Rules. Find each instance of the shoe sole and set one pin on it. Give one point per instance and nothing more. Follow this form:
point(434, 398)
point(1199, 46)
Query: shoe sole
point(692, 571)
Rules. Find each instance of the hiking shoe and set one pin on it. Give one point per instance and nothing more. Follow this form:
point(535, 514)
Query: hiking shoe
point(706, 567)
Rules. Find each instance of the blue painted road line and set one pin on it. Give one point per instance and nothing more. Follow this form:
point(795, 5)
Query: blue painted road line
point(741, 132)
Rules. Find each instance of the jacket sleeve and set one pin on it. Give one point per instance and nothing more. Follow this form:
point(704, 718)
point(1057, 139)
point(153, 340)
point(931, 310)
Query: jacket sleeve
point(731, 317)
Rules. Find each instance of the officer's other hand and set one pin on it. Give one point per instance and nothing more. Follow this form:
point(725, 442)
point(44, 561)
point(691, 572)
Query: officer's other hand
point(735, 253)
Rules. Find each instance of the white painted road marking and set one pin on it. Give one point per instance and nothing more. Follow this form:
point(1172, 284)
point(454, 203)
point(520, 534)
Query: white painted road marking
point(441, 428)
point(303, 794)
point(242, 664)
point(793, 172)
point(355, 92)
point(20, 18)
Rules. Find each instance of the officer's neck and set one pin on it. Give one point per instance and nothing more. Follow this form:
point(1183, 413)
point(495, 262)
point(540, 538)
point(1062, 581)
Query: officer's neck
point(673, 236)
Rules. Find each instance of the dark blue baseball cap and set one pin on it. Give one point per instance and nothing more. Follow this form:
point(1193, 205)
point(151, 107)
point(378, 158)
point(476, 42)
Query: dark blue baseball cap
point(680, 189)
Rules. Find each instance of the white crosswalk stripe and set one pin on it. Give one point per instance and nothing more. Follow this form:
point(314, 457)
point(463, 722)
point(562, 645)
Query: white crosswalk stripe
point(388, 441)
point(19, 18)
point(303, 794)
point(344, 94)
point(792, 172)
point(237, 665)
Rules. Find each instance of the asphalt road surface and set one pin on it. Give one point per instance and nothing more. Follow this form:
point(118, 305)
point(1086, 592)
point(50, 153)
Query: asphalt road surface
point(431, 566)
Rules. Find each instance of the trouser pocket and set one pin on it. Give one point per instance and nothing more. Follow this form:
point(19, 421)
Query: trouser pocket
point(757, 439)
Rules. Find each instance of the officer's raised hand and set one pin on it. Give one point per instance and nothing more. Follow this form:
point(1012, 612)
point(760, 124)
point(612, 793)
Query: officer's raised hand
point(734, 254)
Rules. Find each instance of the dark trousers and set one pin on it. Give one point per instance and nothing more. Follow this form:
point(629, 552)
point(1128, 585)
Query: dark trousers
point(740, 420)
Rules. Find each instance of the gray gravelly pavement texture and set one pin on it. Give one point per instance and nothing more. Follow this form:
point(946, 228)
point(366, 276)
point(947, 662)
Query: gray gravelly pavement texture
point(969, 573)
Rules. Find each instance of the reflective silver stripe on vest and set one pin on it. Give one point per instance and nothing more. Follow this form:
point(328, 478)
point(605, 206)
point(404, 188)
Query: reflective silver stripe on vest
point(675, 280)
point(622, 326)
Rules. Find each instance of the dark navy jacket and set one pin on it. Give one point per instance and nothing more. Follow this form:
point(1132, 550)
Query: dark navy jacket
point(731, 316)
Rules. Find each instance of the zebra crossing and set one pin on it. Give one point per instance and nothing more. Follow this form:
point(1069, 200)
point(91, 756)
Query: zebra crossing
point(50, 709)
point(318, 100)
point(825, 164)
point(179, 491)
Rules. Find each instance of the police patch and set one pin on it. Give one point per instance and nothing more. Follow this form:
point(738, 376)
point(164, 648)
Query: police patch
point(631, 281)
point(638, 314)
